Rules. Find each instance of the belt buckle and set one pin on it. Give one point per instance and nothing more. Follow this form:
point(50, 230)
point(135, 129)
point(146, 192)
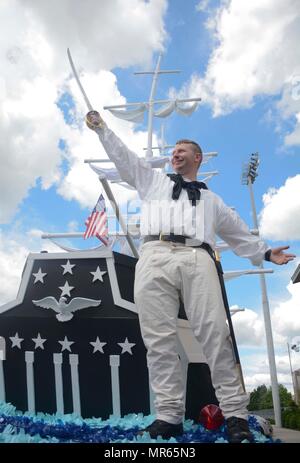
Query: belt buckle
point(161, 237)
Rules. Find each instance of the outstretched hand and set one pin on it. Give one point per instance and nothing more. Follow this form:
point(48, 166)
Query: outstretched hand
point(279, 257)
point(94, 120)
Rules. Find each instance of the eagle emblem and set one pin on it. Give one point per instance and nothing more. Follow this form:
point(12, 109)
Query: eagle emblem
point(64, 310)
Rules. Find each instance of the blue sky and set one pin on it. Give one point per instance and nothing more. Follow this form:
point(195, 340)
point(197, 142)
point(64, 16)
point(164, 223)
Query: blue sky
point(245, 69)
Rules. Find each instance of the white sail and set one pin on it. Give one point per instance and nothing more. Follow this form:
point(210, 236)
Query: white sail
point(137, 114)
point(165, 110)
point(133, 115)
point(186, 110)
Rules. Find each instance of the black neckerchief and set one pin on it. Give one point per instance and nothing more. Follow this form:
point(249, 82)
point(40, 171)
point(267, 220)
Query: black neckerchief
point(193, 188)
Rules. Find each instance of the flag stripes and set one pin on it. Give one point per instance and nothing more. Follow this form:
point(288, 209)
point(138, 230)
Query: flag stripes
point(96, 223)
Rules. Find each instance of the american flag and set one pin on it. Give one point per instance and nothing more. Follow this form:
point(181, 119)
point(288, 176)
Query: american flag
point(96, 223)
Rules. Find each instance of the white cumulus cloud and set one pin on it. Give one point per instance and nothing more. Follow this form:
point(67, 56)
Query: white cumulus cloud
point(14, 250)
point(249, 331)
point(256, 370)
point(33, 60)
point(280, 216)
point(248, 328)
point(254, 54)
point(286, 314)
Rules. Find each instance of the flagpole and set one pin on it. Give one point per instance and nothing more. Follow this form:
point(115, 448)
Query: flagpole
point(116, 208)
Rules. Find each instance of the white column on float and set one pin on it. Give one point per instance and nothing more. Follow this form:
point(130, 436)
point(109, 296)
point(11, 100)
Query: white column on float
point(114, 362)
point(29, 359)
point(74, 361)
point(57, 360)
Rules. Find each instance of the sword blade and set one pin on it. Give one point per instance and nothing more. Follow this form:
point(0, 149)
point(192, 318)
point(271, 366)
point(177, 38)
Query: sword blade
point(78, 82)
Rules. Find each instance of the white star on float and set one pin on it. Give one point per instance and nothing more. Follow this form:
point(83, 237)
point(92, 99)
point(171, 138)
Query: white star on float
point(66, 289)
point(68, 267)
point(39, 342)
point(39, 276)
point(16, 341)
point(98, 275)
point(126, 346)
point(98, 345)
point(66, 344)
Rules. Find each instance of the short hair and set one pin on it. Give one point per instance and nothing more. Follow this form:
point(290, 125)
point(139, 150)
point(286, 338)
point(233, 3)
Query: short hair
point(195, 144)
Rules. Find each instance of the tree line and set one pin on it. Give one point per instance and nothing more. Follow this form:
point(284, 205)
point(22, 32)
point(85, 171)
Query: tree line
point(261, 398)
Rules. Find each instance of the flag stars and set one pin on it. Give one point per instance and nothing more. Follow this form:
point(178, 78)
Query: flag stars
point(66, 289)
point(126, 346)
point(98, 346)
point(39, 276)
point(39, 342)
point(16, 341)
point(98, 275)
point(68, 268)
point(66, 344)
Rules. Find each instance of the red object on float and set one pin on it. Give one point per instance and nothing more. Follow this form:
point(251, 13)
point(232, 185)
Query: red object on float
point(211, 417)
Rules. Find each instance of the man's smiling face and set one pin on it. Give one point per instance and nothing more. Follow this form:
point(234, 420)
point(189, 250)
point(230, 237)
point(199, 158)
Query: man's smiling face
point(186, 159)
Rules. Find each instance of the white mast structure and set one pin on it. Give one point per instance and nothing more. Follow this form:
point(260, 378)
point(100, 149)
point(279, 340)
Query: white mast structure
point(134, 112)
point(136, 115)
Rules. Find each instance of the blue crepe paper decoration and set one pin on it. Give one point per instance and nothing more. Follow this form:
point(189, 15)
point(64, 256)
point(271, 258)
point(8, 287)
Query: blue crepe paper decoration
point(16, 426)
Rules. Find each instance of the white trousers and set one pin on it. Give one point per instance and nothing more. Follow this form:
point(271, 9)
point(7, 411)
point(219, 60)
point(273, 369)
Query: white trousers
point(165, 272)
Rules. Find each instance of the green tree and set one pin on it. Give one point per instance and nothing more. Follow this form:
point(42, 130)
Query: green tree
point(257, 398)
point(267, 400)
point(261, 398)
point(286, 399)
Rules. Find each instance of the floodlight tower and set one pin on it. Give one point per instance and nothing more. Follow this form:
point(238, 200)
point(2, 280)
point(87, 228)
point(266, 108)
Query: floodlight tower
point(248, 178)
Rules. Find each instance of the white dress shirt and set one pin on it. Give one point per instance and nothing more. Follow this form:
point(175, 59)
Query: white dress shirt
point(160, 213)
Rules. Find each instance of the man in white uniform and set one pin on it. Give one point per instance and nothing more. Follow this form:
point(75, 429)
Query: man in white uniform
point(177, 218)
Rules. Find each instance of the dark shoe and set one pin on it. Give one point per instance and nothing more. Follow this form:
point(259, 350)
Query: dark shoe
point(238, 430)
point(163, 429)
